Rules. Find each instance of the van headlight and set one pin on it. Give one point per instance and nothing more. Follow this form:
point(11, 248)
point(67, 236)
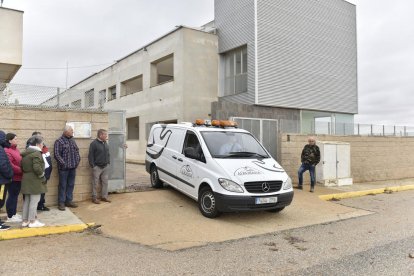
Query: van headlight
point(230, 185)
point(287, 184)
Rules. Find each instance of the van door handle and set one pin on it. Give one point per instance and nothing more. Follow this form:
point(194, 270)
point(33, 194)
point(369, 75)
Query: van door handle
point(174, 157)
point(179, 159)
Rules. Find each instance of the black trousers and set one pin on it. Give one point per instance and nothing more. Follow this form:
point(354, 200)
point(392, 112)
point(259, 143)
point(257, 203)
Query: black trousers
point(42, 201)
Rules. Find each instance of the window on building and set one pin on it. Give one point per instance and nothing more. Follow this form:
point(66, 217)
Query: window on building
point(112, 93)
point(131, 86)
point(133, 128)
point(89, 98)
point(162, 70)
point(76, 104)
point(102, 98)
point(235, 72)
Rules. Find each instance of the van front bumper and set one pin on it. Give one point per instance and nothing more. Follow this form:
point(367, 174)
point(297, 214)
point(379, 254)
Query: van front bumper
point(227, 203)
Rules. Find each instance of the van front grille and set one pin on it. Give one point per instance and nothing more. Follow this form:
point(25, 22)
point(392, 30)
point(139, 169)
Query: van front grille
point(263, 187)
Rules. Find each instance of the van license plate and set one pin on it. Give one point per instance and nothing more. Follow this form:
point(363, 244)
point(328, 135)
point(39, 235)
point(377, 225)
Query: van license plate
point(266, 200)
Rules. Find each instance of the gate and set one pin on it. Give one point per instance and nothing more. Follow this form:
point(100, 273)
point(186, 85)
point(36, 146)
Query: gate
point(265, 130)
point(117, 135)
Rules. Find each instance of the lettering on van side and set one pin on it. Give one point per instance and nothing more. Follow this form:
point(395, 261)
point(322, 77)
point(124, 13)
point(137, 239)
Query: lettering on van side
point(162, 137)
point(187, 171)
point(246, 171)
point(262, 165)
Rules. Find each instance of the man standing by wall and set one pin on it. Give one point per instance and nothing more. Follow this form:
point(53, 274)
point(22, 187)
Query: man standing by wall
point(99, 161)
point(310, 157)
point(68, 159)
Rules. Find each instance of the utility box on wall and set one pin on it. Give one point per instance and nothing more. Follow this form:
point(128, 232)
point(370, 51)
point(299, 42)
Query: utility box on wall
point(334, 169)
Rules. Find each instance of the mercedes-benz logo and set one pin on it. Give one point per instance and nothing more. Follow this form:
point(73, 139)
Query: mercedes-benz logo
point(265, 187)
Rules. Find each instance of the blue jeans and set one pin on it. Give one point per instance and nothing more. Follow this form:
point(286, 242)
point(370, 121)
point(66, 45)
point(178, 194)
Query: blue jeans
point(306, 167)
point(13, 189)
point(66, 185)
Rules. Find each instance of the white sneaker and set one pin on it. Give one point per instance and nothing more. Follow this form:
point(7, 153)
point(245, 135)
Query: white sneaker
point(14, 218)
point(36, 224)
point(19, 216)
point(25, 224)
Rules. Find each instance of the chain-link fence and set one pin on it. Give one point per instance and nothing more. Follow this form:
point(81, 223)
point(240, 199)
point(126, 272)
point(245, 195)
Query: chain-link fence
point(60, 98)
point(50, 97)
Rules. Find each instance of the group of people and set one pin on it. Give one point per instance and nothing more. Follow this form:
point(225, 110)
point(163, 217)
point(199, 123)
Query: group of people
point(27, 173)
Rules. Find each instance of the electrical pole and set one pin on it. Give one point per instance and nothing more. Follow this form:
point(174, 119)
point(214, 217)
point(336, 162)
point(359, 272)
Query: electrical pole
point(67, 73)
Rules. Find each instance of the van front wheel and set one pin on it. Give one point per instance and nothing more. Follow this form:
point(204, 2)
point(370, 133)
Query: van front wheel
point(155, 179)
point(207, 203)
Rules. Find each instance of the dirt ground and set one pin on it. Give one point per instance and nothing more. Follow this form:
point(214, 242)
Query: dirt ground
point(377, 244)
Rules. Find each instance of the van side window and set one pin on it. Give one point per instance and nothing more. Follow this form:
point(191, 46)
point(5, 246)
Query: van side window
point(191, 141)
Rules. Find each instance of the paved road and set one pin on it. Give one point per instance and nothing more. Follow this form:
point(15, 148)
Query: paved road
point(377, 244)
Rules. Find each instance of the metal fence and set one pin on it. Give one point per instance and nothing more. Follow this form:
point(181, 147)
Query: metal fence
point(49, 97)
point(361, 129)
point(347, 129)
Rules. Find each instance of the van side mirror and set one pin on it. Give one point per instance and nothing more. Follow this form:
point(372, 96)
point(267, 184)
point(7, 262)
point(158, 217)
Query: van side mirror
point(191, 153)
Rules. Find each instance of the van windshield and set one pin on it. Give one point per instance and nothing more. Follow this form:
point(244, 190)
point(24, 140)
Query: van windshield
point(226, 144)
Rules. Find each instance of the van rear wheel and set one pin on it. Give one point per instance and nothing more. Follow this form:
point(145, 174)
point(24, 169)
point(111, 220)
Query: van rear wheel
point(155, 179)
point(207, 203)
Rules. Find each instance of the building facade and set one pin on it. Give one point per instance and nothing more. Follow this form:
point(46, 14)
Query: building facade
point(172, 79)
point(271, 65)
point(301, 56)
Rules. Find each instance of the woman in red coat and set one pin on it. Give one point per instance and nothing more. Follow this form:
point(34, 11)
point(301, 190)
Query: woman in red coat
point(13, 188)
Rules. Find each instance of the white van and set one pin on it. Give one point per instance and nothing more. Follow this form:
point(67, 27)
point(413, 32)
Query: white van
point(223, 168)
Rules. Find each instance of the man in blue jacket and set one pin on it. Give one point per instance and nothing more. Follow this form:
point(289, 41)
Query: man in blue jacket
point(6, 175)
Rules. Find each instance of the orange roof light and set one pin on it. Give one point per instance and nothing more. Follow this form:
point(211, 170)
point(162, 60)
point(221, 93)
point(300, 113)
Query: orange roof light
point(200, 122)
point(215, 123)
point(228, 124)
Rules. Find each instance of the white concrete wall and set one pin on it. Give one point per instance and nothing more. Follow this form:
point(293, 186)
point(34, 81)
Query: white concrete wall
point(201, 74)
point(186, 98)
point(11, 43)
point(11, 30)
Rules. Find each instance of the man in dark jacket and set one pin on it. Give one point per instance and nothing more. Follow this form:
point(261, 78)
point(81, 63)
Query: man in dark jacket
point(6, 174)
point(99, 161)
point(48, 171)
point(310, 158)
point(68, 159)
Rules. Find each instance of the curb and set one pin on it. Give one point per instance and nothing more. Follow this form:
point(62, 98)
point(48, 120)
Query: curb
point(43, 231)
point(366, 192)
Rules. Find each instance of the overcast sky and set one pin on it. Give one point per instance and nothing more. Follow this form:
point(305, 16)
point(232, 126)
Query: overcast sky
point(100, 31)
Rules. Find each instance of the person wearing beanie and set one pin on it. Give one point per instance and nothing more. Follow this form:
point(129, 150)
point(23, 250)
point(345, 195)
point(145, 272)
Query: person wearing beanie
point(6, 174)
point(13, 189)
